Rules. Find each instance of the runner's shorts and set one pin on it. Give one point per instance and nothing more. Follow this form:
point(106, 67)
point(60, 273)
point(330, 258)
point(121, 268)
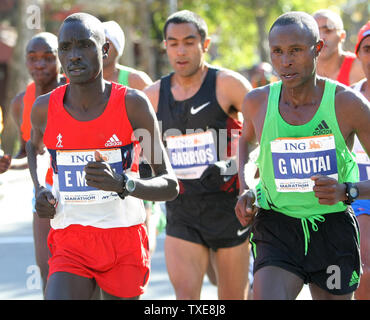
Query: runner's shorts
point(117, 258)
point(209, 220)
point(278, 240)
point(361, 206)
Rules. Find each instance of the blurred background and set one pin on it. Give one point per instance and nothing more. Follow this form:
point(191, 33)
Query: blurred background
point(238, 29)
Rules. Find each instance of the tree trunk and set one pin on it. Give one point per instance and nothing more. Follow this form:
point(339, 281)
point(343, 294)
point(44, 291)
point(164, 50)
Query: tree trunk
point(147, 58)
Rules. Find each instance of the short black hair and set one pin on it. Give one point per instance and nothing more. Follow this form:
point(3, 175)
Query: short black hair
point(186, 16)
point(299, 18)
point(91, 22)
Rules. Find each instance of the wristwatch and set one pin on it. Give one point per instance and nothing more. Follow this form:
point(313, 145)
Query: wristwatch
point(129, 185)
point(351, 192)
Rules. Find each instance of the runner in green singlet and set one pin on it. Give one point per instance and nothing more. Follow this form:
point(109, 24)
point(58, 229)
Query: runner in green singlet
point(304, 231)
point(113, 71)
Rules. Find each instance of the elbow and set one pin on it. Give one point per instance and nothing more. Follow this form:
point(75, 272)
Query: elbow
point(174, 189)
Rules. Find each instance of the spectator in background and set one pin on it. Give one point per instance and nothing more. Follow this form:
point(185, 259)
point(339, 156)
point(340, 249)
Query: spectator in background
point(362, 207)
point(113, 71)
point(333, 62)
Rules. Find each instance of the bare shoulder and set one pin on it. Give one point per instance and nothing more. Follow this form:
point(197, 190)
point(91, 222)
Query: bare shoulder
point(349, 100)
point(16, 107)
point(352, 110)
point(227, 77)
point(231, 88)
point(138, 108)
point(19, 97)
point(139, 79)
point(255, 101)
point(40, 110)
point(152, 92)
point(17, 101)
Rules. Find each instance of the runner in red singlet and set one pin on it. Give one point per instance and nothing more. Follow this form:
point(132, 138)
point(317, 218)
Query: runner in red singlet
point(97, 238)
point(335, 63)
point(43, 65)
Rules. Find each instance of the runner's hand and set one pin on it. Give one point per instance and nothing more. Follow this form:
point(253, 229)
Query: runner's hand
point(328, 190)
point(100, 175)
point(45, 203)
point(215, 175)
point(5, 162)
point(245, 209)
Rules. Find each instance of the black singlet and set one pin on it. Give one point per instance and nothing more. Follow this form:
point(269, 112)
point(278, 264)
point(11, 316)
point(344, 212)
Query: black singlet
point(201, 112)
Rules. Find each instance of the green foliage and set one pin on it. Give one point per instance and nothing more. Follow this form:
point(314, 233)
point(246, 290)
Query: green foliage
point(238, 28)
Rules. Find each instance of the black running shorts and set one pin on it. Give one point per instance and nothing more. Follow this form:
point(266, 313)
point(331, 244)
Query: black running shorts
point(209, 220)
point(332, 260)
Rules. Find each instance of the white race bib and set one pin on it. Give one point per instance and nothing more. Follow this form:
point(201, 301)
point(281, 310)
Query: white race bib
point(362, 160)
point(71, 176)
point(296, 160)
point(191, 154)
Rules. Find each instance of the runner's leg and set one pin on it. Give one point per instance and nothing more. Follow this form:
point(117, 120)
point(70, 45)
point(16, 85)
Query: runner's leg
point(363, 291)
point(68, 286)
point(107, 296)
point(211, 274)
point(41, 228)
point(274, 283)
point(186, 265)
point(232, 265)
point(320, 294)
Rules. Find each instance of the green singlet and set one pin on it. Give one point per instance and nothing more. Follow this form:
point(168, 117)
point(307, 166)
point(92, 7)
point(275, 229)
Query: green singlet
point(123, 76)
point(291, 154)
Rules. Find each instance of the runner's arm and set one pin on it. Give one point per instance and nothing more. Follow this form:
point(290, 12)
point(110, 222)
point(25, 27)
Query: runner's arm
point(152, 92)
point(139, 80)
point(44, 199)
point(245, 209)
point(164, 185)
point(5, 161)
point(231, 88)
point(353, 114)
point(16, 107)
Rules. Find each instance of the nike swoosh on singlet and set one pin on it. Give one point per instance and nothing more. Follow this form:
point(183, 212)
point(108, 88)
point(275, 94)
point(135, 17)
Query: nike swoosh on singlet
point(197, 109)
point(240, 232)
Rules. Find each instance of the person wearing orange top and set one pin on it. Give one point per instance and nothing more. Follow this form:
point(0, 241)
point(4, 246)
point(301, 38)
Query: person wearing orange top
point(333, 62)
point(43, 65)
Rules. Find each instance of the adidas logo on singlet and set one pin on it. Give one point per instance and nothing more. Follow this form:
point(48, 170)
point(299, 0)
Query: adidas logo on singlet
point(321, 129)
point(113, 141)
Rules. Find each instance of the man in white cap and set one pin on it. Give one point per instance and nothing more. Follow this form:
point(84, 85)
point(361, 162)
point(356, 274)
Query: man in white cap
point(113, 71)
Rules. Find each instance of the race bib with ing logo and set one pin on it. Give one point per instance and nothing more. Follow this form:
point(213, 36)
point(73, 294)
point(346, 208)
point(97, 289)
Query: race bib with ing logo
point(191, 154)
point(296, 160)
point(71, 175)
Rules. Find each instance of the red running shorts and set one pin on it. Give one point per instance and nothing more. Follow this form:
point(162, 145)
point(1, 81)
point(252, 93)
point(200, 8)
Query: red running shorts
point(117, 258)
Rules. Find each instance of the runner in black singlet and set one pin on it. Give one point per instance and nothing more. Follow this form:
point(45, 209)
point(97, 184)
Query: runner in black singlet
point(198, 110)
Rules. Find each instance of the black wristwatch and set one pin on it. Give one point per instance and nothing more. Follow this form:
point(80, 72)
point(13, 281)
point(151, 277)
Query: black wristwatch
point(351, 193)
point(129, 186)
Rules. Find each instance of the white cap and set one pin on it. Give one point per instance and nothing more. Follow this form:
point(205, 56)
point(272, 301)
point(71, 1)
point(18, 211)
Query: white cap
point(115, 34)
